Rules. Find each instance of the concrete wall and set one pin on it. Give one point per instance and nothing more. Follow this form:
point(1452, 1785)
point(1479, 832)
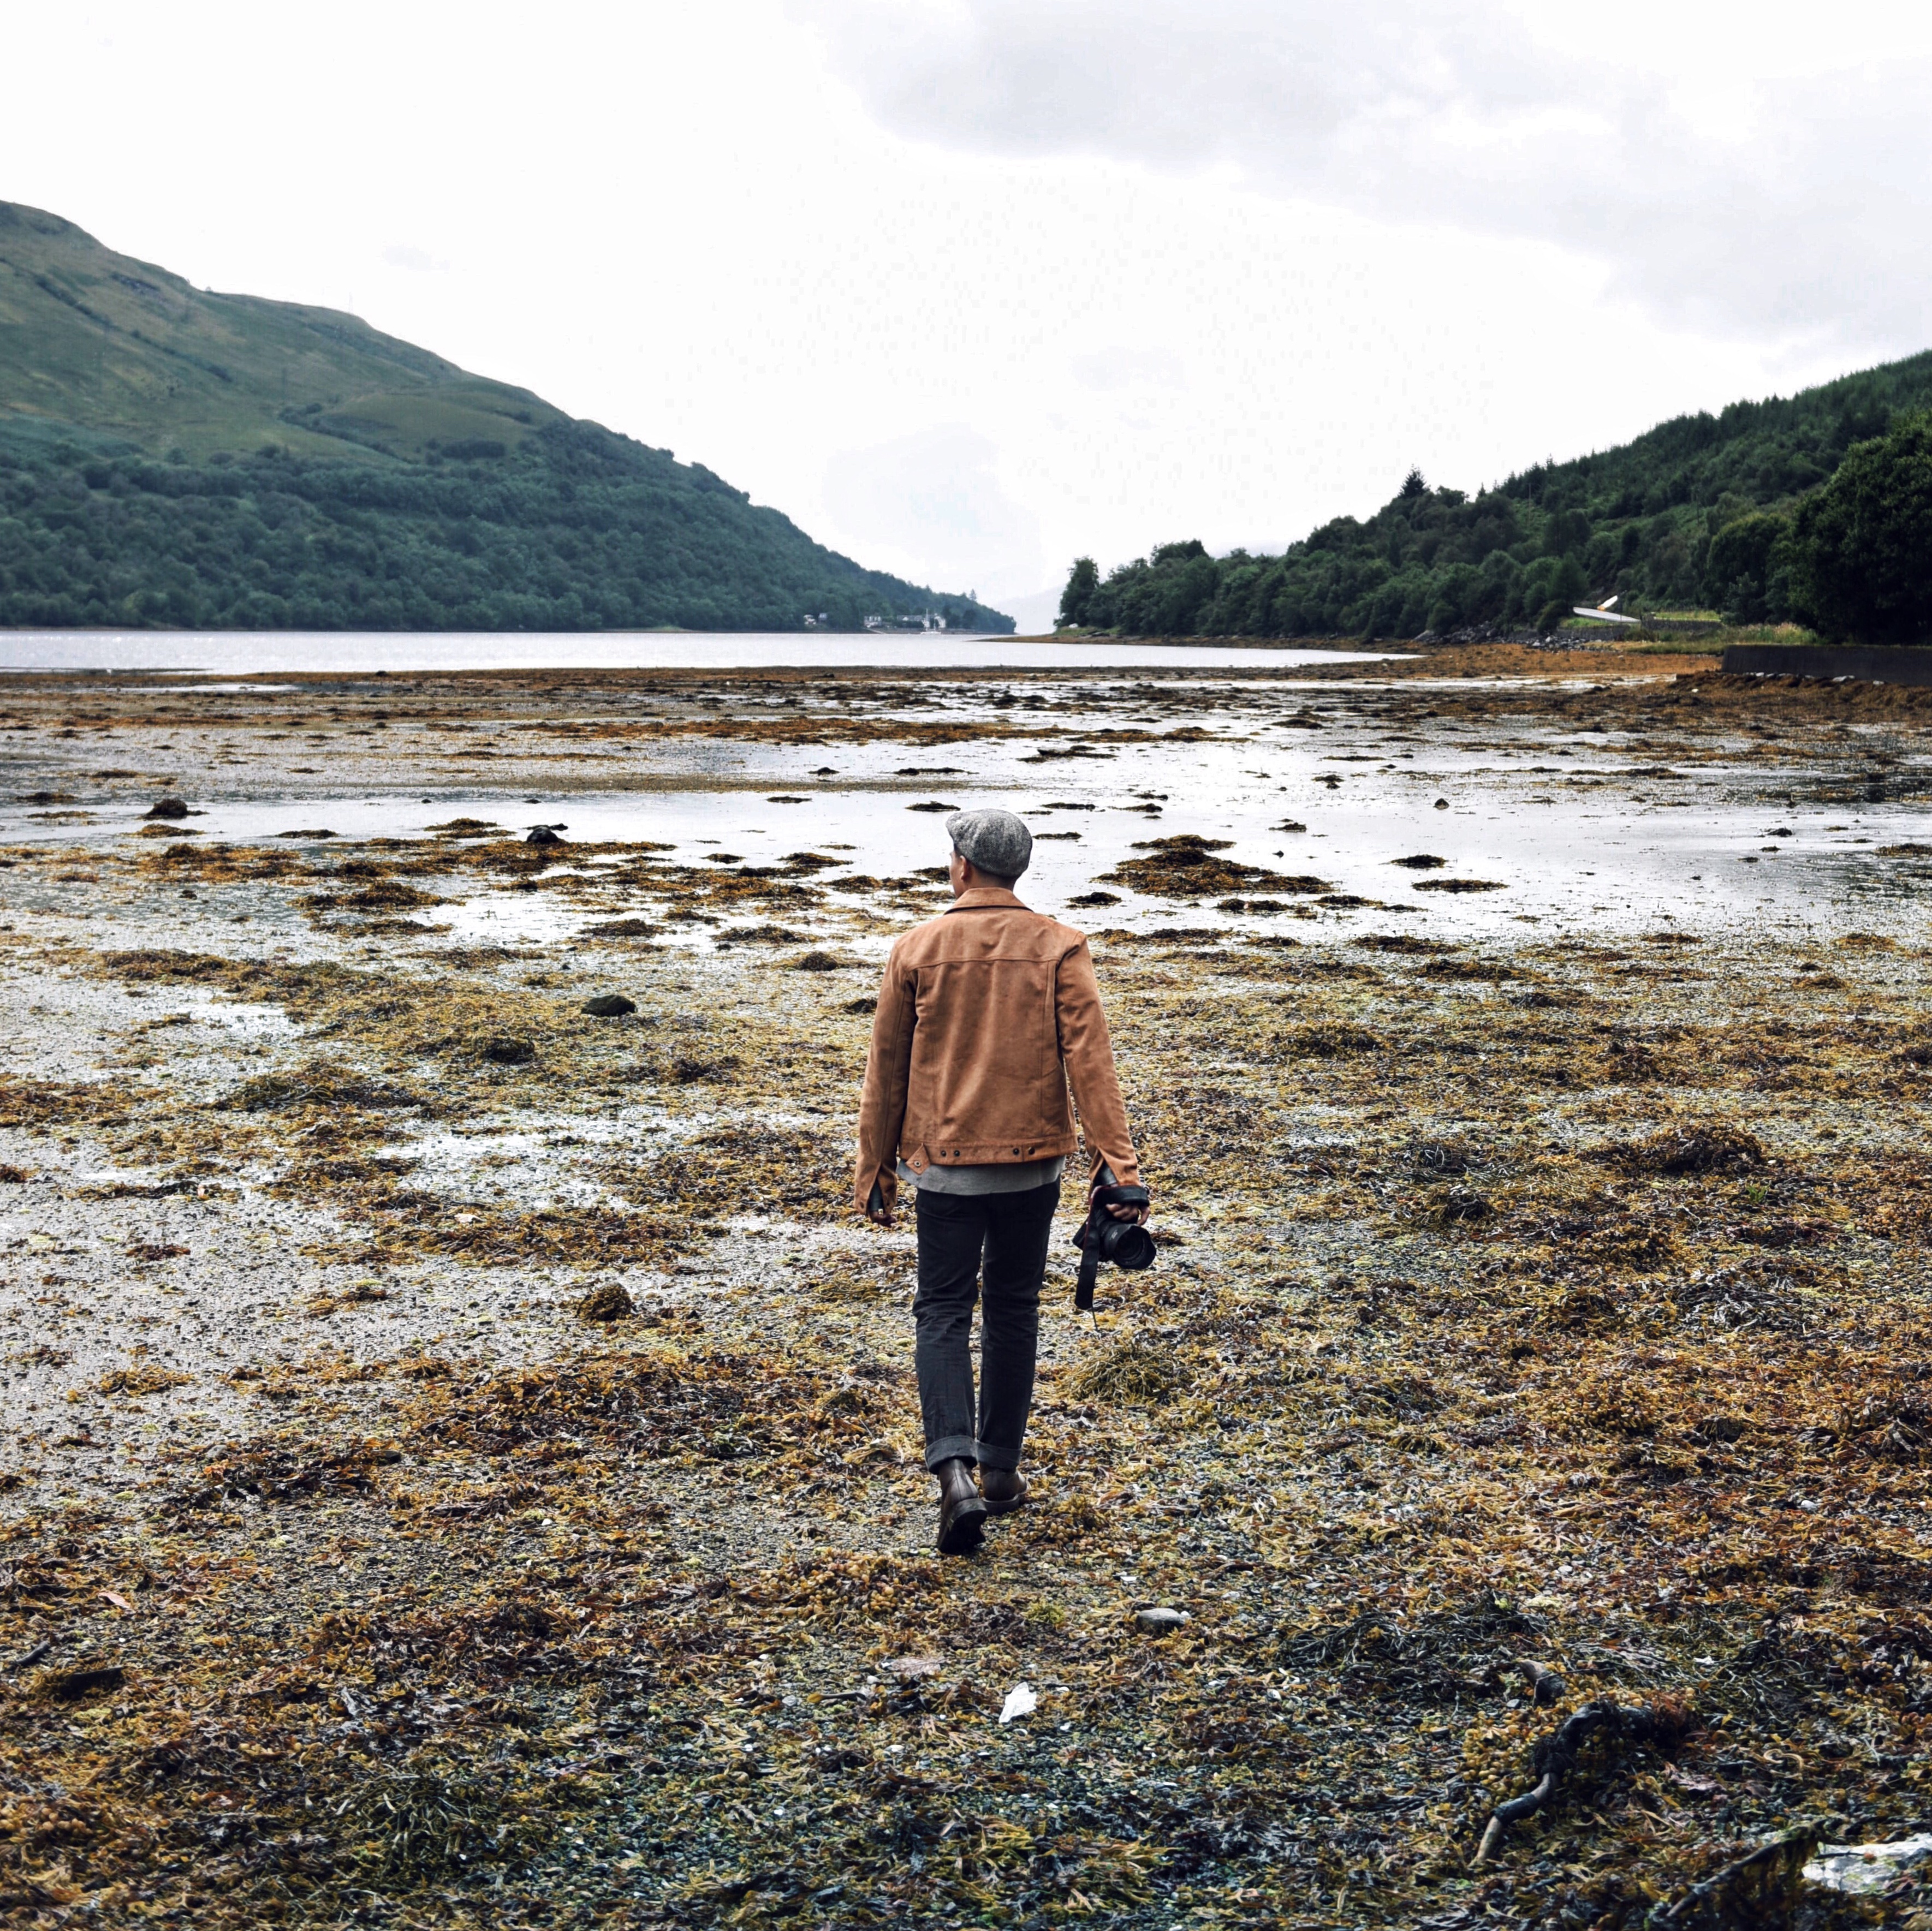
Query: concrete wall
point(1902, 663)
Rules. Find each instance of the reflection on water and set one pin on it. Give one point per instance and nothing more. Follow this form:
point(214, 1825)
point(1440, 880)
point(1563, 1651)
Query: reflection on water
point(1574, 840)
point(363, 653)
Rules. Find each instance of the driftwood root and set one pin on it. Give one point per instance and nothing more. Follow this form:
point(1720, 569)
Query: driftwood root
point(1554, 1756)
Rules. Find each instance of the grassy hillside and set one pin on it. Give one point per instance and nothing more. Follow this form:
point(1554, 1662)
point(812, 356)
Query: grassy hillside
point(1675, 519)
point(172, 456)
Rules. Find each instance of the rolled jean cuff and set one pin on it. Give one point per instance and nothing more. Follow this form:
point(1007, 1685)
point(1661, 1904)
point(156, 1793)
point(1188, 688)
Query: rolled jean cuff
point(951, 1448)
point(1001, 1461)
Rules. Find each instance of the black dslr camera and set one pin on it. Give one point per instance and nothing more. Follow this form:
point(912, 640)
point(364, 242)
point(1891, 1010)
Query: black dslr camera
point(1101, 1237)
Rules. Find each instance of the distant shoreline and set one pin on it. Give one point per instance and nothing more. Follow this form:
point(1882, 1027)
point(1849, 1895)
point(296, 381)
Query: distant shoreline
point(396, 653)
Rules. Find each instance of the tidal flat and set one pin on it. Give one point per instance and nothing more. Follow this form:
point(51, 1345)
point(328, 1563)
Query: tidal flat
point(460, 1461)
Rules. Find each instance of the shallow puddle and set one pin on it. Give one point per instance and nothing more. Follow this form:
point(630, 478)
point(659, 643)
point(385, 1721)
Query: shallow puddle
point(1507, 826)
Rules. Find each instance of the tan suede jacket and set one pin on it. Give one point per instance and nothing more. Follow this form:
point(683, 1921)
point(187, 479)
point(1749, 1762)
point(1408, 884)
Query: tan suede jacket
point(984, 1015)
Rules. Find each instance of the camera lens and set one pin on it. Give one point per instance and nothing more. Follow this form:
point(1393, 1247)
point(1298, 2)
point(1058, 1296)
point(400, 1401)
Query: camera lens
point(1126, 1245)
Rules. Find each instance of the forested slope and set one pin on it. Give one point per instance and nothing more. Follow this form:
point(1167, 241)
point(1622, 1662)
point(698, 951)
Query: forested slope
point(172, 457)
point(1686, 515)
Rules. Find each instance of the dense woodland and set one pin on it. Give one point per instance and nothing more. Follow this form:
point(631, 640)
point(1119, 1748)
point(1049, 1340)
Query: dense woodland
point(1702, 512)
point(573, 528)
point(172, 456)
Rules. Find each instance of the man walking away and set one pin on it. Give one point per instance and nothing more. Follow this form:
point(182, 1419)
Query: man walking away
point(985, 1015)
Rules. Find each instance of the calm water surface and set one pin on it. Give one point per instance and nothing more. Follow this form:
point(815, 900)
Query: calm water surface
point(1573, 840)
point(362, 651)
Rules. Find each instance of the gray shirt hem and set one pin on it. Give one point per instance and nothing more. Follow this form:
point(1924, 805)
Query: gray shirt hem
point(1016, 1178)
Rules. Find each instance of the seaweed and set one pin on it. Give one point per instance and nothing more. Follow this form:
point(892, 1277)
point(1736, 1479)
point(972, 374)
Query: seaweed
point(493, 1611)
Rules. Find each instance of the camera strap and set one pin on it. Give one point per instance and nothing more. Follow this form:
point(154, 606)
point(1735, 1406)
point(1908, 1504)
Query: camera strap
point(1088, 1278)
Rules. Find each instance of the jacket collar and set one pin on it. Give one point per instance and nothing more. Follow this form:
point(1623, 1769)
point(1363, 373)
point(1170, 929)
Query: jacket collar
point(983, 898)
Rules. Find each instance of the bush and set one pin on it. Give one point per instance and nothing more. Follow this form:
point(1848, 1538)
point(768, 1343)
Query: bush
point(1746, 573)
point(1077, 598)
point(1861, 547)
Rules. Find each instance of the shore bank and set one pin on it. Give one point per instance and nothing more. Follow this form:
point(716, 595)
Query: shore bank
point(462, 1464)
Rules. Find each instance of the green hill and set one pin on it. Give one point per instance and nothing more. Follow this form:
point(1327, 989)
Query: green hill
point(172, 456)
point(1686, 516)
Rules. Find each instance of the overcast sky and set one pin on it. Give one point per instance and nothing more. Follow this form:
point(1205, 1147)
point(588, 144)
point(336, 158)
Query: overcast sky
point(971, 287)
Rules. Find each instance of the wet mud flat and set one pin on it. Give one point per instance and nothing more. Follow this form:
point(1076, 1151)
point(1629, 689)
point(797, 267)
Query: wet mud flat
point(460, 1461)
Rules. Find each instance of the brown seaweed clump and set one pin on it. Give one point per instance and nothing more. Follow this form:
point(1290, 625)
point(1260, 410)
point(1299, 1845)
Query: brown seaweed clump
point(1685, 1149)
point(1187, 866)
point(610, 1302)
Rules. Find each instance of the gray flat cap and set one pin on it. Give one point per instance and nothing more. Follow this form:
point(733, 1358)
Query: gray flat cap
point(996, 841)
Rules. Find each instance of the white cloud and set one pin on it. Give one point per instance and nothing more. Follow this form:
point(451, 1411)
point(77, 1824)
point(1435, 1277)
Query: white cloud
point(931, 505)
point(1760, 172)
point(412, 260)
point(1121, 368)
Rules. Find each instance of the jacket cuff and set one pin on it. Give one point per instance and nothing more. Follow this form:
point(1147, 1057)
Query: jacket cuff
point(885, 1179)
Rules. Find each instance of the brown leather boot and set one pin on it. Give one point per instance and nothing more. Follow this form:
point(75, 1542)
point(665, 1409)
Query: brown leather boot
point(962, 1511)
point(1005, 1490)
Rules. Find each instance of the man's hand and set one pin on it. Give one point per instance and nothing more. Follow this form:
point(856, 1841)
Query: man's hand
point(878, 1210)
point(1139, 1215)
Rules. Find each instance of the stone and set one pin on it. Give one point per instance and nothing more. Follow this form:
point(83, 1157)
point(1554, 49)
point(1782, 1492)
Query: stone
point(505, 1050)
point(167, 808)
point(1159, 1622)
point(543, 835)
point(816, 962)
point(610, 1006)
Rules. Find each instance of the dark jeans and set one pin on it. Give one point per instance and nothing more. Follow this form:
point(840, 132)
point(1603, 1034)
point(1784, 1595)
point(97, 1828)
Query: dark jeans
point(1010, 1231)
